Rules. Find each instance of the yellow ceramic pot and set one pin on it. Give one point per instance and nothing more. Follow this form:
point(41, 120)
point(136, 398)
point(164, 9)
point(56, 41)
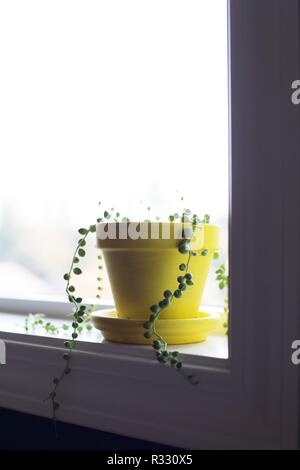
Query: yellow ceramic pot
point(140, 270)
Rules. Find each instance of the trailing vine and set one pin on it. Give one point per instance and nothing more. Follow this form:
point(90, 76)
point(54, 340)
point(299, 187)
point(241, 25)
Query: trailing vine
point(36, 320)
point(223, 280)
point(185, 280)
point(79, 313)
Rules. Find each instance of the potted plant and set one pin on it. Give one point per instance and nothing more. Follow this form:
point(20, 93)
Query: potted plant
point(157, 272)
point(157, 261)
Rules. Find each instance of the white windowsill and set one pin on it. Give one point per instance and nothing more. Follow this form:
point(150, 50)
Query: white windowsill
point(106, 380)
point(214, 346)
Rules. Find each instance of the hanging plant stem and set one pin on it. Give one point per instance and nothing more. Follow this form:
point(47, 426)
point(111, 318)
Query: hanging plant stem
point(185, 280)
point(79, 312)
point(223, 280)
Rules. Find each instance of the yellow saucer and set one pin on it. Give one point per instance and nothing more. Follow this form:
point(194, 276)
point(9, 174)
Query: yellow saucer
point(174, 331)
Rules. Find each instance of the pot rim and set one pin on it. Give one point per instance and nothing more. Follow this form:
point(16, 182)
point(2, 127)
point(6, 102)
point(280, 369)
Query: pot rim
point(206, 235)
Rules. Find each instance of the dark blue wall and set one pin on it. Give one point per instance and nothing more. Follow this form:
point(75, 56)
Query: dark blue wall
point(23, 431)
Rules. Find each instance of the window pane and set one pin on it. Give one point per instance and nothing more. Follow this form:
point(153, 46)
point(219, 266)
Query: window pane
point(123, 102)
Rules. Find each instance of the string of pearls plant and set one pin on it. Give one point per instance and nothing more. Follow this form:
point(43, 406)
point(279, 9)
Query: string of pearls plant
point(82, 313)
point(185, 280)
point(223, 280)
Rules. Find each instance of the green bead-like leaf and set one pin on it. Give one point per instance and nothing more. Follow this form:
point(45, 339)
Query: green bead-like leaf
point(66, 277)
point(83, 231)
point(168, 294)
point(92, 228)
point(184, 248)
point(188, 276)
point(77, 271)
point(161, 358)
point(157, 344)
point(81, 252)
point(154, 308)
point(206, 219)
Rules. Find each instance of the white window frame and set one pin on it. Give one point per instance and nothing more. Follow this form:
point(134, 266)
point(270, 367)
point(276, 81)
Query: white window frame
point(250, 400)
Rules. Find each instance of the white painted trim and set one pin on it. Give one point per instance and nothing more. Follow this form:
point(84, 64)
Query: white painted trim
point(251, 400)
point(110, 388)
point(265, 219)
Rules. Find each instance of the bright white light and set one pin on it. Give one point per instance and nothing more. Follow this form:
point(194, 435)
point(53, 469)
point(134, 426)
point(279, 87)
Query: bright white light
point(115, 101)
